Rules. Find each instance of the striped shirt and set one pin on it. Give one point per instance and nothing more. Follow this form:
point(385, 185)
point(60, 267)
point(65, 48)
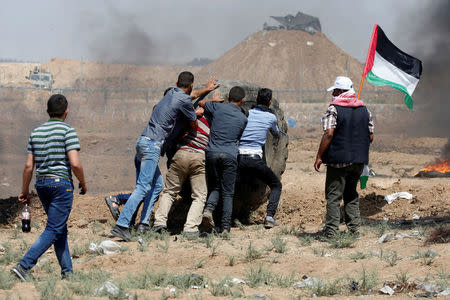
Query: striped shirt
point(49, 144)
point(198, 140)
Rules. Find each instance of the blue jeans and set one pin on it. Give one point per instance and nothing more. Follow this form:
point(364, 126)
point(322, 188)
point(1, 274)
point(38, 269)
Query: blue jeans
point(56, 195)
point(149, 183)
point(123, 198)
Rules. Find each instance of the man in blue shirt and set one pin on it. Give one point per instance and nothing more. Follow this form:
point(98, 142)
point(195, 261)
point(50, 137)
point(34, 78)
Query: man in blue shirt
point(260, 120)
point(174, 105)
point(227, 124)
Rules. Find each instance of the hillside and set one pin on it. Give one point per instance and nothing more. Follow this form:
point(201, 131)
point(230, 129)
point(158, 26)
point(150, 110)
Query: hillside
point(285, 59)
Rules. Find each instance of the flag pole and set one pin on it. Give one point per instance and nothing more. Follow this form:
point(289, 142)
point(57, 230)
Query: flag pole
point(360, 87)
point(365, 70)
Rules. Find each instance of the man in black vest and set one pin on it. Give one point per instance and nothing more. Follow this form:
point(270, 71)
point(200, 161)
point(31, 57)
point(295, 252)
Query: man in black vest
point(344, 148)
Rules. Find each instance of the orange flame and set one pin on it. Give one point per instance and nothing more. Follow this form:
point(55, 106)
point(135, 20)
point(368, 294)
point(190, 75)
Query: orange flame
point(439, 166)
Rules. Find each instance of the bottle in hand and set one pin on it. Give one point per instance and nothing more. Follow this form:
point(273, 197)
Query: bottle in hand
point(26, 219)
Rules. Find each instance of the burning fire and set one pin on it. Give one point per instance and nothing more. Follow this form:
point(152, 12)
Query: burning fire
point(439, 166)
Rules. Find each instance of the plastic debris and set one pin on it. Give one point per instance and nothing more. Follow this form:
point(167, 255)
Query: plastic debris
point(292, 122)
point(259, 295)
point(173, 290)
point(387, 290)
point(445, 292)
point(105, 247)
point(309, 43)
point(111, 289)
point(328, 255)
point(405, 195)
point(385, 238)
point(237, 281)
point(415, 233)
point(415, 217)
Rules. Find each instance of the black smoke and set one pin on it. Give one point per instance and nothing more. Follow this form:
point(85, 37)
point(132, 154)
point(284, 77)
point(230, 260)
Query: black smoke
point(431, 43)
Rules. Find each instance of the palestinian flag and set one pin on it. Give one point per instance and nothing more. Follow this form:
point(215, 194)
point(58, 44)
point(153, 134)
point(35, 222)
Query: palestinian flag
point(386, 65)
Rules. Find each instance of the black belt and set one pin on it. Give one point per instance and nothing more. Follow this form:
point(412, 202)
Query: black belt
point(254, 156)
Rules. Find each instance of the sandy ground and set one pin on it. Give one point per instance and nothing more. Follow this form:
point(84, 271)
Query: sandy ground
point(301, 212)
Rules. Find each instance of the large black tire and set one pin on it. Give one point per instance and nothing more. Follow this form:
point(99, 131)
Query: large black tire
point(250, 193)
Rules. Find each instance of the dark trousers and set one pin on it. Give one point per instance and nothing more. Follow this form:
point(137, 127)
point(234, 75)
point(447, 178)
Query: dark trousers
point(221, 170)
point(255, 166)
point(341, 183)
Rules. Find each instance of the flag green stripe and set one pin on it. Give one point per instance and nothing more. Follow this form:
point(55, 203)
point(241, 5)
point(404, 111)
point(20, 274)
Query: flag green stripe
point(375, 80)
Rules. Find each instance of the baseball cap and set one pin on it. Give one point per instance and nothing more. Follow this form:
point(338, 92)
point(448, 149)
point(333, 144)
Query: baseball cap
point(342, 83)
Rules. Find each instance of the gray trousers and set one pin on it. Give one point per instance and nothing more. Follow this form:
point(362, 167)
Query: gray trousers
point(341, 183)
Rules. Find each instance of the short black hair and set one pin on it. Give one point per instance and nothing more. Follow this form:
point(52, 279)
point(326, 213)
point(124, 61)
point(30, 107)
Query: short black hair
point(56, 105)
point(264, 96)
point(185, 79)
point(236, 94)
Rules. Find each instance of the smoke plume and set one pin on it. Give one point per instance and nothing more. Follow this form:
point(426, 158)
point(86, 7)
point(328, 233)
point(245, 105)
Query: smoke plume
point(432, 46)
point(117, 36)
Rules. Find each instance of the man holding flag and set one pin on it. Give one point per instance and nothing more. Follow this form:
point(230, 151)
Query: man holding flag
point(348, 132)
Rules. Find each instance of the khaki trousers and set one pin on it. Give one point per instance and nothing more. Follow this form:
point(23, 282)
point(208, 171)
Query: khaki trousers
point(185, 165)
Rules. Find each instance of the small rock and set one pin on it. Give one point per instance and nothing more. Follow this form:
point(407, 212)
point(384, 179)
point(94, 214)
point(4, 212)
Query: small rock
point(415, 217)
point(82, 223)
point(259, 295)
point(237, 281)
point(401, 236)
point(385, 219)
point(385, 238)
point(387, 290)
point(307, 282)
point(2, 249)
point(109, 288)
point(429, 287)
point(173, 290)
point(309, 43)
point(426, 295)
point(140, 241)
point(94, 142)
point(43, 260)
point(195, 287)
point(6, 184)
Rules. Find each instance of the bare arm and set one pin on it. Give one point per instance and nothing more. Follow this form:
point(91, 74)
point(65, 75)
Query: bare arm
point(77, 168)
point(26, 178)
point(216, 98)
point(210, 85)
point(324, 144)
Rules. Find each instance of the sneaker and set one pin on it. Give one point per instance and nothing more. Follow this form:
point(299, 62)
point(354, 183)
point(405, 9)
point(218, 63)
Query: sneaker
point(143, 228)
point(159, 228)
point(121, 232)
point(207, 220)
point(24, 275)
point(269, 222)
point(114, 210)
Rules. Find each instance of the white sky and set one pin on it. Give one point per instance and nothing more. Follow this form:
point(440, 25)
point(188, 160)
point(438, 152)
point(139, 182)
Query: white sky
point(180, 30)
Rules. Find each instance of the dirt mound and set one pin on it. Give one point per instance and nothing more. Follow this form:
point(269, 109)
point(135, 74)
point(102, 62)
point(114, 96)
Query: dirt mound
point(285, 59)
